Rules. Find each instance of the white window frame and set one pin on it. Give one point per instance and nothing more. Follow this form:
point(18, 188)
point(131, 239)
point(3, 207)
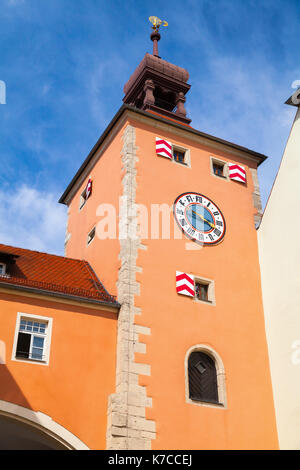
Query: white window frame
point(217, 161)
point(2, 269)
point(47, 336)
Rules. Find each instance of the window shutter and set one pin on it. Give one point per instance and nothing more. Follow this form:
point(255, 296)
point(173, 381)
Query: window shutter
point(185, 284)
point(88, 189)
point(202, 378)
point(237, 172)
point(164, 148)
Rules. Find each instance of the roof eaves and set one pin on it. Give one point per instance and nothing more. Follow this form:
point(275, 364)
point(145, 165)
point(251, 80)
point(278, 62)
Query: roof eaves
point(35, 290)
point(258, 156)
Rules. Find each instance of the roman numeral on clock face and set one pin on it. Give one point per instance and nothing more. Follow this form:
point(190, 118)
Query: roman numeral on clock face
point(199, 218)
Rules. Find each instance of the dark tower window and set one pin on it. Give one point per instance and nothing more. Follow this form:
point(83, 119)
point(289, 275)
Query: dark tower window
point(202, 378)
point(201, 291)
point(218, 169)
point(164, 99)
point(179, 156)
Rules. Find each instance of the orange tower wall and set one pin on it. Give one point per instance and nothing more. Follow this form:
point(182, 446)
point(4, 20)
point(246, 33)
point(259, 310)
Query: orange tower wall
point(234, 327)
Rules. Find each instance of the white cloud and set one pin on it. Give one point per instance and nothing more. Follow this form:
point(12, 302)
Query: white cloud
point(32, 219)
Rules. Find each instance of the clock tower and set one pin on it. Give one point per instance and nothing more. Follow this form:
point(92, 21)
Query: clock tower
point(167, 215)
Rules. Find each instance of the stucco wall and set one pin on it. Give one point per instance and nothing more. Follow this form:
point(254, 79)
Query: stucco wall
point(279, 251)
point(234, 327)
point(73, 388)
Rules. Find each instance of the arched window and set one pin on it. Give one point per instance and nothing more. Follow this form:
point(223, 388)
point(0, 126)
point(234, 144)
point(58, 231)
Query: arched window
point(202, 378)
point(205, 377)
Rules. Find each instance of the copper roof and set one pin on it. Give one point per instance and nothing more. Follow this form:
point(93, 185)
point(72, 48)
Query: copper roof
point(158, 65)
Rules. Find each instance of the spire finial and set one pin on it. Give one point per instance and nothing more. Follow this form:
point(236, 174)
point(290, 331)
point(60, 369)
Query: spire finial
point(155, 36)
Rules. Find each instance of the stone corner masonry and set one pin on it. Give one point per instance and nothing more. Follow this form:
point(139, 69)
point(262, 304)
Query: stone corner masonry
point(127, 426)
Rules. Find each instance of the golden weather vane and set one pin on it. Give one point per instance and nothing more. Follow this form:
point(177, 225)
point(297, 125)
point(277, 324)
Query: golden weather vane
point(157, 22)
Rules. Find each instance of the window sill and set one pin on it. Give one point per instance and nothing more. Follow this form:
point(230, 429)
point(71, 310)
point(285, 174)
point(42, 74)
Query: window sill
point(31, 361)
point(186, 165)
point(208, 404)
point(222, 177)
point(206, 302)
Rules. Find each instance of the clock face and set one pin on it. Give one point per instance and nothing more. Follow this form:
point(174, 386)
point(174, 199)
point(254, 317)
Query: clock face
point(199, 218)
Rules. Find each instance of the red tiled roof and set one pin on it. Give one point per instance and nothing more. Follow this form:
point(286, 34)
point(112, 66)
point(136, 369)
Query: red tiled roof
point(54, 274)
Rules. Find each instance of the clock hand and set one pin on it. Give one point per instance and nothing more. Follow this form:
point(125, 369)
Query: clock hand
point(205, 220)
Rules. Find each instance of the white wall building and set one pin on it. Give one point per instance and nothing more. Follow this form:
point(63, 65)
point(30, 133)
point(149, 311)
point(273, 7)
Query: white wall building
point(279, 248)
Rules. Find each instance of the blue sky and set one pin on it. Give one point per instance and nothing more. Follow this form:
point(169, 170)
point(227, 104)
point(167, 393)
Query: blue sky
point(65, 63)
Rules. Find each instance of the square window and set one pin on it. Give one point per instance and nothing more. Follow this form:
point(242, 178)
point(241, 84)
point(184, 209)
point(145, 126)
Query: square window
point(218, 169)
point(201, 291)
point(179, 156)
point(32, 339)
point(91, 235)
point(204, 291)
point(85, 194)
point(83, 199)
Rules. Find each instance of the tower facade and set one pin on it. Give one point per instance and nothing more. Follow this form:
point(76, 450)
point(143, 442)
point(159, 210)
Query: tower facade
point(166, 216)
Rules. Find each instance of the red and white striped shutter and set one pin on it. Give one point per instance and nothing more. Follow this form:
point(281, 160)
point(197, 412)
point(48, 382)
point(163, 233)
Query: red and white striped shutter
point(237, 172)
point(185, 284)
point(164, 148)
point(88, 189)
